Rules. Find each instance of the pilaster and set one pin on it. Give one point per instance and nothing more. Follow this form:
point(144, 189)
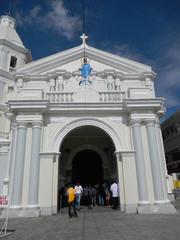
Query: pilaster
point(162, 158)
point(34, 167)
point(127, 181)
point(161, 203)
point(140, 162)
point(19, 165)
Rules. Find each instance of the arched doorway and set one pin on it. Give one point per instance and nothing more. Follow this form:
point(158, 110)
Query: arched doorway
point(87, 168)
point(93, 145)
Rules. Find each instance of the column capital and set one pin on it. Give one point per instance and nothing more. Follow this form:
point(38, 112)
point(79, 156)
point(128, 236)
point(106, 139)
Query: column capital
point(157, 122)
point(21, 124)
point(150, 122)
point(135, 122)
point(37, 124)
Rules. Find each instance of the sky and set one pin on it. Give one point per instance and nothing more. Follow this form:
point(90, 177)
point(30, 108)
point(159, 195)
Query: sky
point(147, 31)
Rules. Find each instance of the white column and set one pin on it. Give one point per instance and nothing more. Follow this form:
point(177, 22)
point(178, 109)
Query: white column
point(162, 159)
point(34, 165)
point(140, 162)
point(19, 165)
point(155, 161)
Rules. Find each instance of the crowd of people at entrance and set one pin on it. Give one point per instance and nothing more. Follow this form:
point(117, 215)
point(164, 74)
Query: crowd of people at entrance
point(106, 194)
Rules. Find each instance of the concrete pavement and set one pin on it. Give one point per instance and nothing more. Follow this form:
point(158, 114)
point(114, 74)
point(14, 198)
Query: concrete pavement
point(100, 223)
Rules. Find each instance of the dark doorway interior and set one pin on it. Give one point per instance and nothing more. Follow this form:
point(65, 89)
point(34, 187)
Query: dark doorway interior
point(87, 168)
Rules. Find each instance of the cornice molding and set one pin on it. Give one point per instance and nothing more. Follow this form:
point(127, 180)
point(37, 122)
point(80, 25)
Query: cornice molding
point(101, 108)
point(4, 142)
point(155, 104)
point(28, 105)
point(6, 74)
point(12, 45)
point(66, 74)
point(123, 65)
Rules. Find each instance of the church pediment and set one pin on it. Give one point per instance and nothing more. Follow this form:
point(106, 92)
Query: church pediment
point(70, 61)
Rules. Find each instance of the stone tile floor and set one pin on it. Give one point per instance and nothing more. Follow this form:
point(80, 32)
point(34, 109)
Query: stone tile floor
point(99, 223)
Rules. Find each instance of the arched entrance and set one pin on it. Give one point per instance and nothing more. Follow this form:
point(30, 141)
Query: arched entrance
point(85, 164)
point(87, 155)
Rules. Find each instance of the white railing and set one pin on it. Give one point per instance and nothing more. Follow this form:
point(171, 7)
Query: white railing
point(4, 135)
point(59, 96)
point(106, 96)
point(111, 96)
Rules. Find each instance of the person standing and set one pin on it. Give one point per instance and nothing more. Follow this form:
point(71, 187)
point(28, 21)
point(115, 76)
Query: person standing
point(107, 194)
point(71, 201)
point(86, 195)
point(101, 195)
point(115, 194)
point(93, 194)
point(78, 193)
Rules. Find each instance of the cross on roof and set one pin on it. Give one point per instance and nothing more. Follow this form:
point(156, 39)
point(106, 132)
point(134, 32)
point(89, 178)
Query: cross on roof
point(84, 38)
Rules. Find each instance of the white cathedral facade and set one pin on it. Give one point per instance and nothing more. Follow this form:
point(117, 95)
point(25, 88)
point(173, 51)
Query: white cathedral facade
point(54, 130)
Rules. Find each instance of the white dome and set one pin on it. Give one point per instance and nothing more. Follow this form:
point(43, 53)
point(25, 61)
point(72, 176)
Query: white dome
point(8, 32)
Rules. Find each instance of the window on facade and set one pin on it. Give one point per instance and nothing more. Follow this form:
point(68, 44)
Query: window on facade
point(13, 62)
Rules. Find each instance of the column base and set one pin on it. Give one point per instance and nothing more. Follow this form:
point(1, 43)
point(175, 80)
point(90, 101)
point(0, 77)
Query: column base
point(32, 211)
point(46, 211)
point(171, 197)
point(144, 209)
point(15, 212)
point(164, 208)
point(128, 208)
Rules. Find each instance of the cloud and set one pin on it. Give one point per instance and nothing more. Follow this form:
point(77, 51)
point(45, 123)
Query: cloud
point(126, 51)
point(168, 78)
point(57, 18)
point(165, 62)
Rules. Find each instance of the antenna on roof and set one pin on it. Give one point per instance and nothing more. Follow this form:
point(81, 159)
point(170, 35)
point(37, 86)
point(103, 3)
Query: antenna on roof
point(83, 37)
point(83, 16)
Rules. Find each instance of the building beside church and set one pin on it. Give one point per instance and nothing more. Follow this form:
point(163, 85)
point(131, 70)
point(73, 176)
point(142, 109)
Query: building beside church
point(171, 137)
point(57, 126)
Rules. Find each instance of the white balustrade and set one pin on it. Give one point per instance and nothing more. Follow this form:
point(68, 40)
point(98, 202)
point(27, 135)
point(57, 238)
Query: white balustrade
point(111, 96)
point(59, 96)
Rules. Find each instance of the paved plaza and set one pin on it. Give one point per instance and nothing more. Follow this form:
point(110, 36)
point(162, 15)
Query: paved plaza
point(100, 223)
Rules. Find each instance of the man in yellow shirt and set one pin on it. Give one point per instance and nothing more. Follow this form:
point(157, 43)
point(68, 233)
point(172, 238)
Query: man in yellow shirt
point(71, 201)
